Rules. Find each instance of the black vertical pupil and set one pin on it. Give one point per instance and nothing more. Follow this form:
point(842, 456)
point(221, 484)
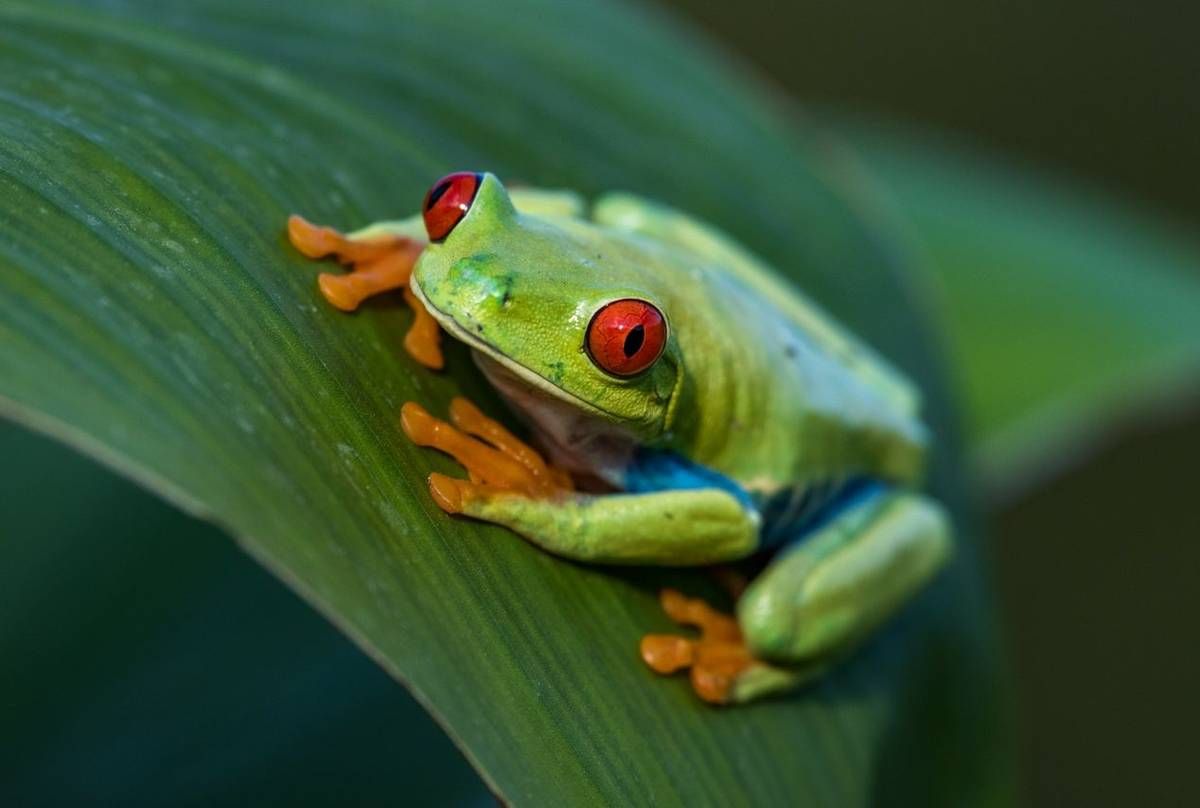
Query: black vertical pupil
point(634, 340)
point(437, 194)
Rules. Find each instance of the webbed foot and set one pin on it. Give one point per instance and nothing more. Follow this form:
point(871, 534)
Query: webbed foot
point(716, 659)
point(379, 264)
point(497, 462)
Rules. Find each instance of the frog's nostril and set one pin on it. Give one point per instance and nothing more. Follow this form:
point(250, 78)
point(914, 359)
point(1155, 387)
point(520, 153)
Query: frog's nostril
point(448, 201)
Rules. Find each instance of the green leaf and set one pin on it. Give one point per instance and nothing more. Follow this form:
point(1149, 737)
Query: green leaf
point(1066, 310)
point(155, 663)
point(153, 315)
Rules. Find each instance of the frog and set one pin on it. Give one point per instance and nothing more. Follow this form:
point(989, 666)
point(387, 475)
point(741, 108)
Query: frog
point(688, 407)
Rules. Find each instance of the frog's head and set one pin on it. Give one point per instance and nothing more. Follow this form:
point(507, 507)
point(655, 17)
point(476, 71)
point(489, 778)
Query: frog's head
point(569, 320)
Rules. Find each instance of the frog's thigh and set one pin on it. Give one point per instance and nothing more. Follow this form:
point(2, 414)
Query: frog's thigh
point(841, 582)
point(672, 528)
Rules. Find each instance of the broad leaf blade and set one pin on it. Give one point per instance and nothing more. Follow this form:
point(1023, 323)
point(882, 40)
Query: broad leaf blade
point(148, 661)
point(153, 314)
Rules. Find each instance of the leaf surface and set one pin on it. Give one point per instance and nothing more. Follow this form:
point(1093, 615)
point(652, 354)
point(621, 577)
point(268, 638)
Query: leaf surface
point(153, 315)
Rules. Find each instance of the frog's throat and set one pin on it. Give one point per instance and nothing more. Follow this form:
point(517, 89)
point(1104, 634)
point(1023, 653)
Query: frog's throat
point(572, 438)
point(456, 330)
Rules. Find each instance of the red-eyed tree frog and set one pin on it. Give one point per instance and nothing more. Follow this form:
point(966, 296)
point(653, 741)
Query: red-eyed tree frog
point(714, 412)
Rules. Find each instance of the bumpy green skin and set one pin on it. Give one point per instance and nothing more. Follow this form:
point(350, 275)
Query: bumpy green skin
point(755, 383)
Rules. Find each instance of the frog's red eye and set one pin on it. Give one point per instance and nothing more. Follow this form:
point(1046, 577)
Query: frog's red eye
point(448, 201)
point(626, 337)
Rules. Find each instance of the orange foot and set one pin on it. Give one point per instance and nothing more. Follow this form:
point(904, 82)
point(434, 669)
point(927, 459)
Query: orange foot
point(716, 659)
point(495, 459)
point(378, 265)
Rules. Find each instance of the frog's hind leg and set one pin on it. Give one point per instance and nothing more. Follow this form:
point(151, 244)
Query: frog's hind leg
point(814, 602)
point(824, 595)
point(381, 260)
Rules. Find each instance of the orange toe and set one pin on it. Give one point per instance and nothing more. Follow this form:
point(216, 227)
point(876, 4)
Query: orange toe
point(312, 240)
point(339, 291)
point(711, 685)
point(667, 653)
point(715, 659)
point(449, 493)
point(424, 340)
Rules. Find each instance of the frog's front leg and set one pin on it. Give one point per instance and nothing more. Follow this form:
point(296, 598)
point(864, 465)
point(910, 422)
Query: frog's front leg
point(507, 487)
point(381, 258)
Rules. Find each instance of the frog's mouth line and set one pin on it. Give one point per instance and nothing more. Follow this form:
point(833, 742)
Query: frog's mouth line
point(464, 335)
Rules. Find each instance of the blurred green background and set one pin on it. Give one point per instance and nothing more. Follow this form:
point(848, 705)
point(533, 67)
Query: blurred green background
point(1102, 90)
point(1095, 568)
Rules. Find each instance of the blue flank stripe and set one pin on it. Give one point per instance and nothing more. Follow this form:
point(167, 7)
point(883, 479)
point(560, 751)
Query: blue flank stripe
point(788, 515)
point(654, 470)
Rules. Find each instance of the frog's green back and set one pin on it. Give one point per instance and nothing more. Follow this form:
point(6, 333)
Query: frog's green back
point(777, 391)
point(629, 212)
